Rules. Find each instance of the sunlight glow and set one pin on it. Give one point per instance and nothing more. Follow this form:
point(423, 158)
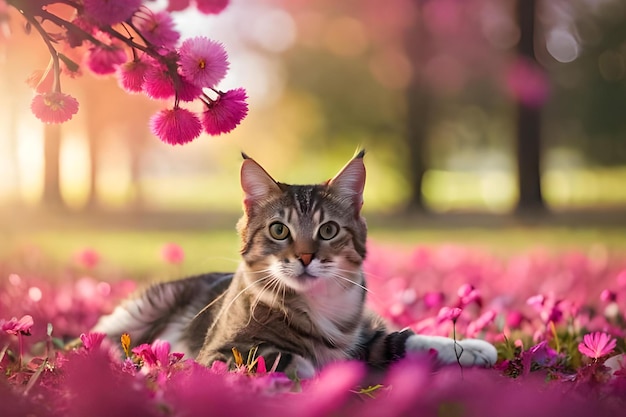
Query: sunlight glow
point(562, 45)
point(114, 176)
point(74, 170)
point(30, 159)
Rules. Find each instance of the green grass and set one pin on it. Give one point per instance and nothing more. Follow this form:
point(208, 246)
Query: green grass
point(137, 253)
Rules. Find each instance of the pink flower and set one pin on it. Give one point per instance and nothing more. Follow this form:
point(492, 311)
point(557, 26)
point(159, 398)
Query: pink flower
point(433, 299)
point(92, 341)
point(608, 296)
point(527, 82)
point(226, 112)
point(54, 107)
point(172, 253)
point(211, 6)
point(87, 258)
point(447, 313)
point(157, 355)
point(158, 83)
point(203, 61)
point(177, 5)
point(598, 344)
point(176, 126)
point(15, 326)
point(187, 91)
point(110, 12)
point(105, 60)
point(131, 75)
point(157, 28)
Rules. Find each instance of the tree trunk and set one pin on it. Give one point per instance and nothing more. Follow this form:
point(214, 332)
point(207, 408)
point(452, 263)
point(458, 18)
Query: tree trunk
point(417, 111)
point(528, 123)
point(52, 151)
point(418, 106)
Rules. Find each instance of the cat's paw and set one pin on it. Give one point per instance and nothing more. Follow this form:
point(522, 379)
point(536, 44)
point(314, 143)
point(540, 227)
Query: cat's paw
point(468, 352)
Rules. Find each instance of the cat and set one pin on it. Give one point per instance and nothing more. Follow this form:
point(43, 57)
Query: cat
point(298, 297)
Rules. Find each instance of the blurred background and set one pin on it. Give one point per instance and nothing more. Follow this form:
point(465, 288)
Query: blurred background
point(497, 108)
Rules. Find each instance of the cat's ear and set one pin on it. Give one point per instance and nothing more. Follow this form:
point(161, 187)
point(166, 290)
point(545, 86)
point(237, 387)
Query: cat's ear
point(256, 183)
point(350, 181)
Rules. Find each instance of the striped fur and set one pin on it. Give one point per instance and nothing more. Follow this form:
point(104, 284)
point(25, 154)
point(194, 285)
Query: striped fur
point(298, 295)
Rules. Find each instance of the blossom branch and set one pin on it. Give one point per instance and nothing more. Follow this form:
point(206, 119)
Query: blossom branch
point(163, 70)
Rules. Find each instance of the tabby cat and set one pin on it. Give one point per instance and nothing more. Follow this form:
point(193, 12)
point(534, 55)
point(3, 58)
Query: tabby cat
point(298, 294)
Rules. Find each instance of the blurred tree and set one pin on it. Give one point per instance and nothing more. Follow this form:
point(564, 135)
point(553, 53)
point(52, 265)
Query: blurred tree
point(52, 151)
point(528, 121)
point(419, 103)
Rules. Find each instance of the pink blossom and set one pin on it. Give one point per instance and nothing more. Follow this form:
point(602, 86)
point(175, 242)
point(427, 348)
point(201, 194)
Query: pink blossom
point(157, 355)
point(608, 296)
point(92, 341)
point(226, 112)
point(514, 319)
point(187, 91)
point(157, 28)
point(104, 60)
point(54, 107)
point(527, 82)
point(203, 61)
point(158, 83)
point(211, 6)
point(447, 313)
point(15, 326)
point(177, 5)
point(172, 253)
point(110, 12)
point(596, 345)
point(88, 258)
point(131, 75)
point(176, 126)
point(433, 299)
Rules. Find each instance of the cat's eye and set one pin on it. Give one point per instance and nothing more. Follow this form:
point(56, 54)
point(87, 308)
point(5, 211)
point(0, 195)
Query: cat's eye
point(328, 230)
point(279, 231)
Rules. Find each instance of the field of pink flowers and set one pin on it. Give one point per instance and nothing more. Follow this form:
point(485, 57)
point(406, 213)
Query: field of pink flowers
point(557, 319)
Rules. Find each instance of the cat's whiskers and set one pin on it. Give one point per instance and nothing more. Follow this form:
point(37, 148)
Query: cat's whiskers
point(224, 309)
point(272, 286)
point(336, 275)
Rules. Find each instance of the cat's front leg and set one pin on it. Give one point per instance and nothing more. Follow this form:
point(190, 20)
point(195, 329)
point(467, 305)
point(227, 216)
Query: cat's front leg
point(467, 352)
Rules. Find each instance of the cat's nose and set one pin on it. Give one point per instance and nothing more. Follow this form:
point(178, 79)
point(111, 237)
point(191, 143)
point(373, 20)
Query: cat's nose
point(306, 258)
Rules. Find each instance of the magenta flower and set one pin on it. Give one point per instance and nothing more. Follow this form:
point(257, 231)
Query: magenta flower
point(110, 12)
point(177, 5)
point(158, 83)
point(54, 107)
point(172, 253)
point(596, 345)
point(447, 313)
point(176, 126)
point(187, 91)
point(203, 62)
point(211, 6)
point(157, 28)
point(434, 299)
point(92, 341)
point(157, 355)
point(528, 83)
point(105, 60)
point(226, 112)
point(132, 74)
point(16, 327)
point(608, 296)
point(87, 258)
